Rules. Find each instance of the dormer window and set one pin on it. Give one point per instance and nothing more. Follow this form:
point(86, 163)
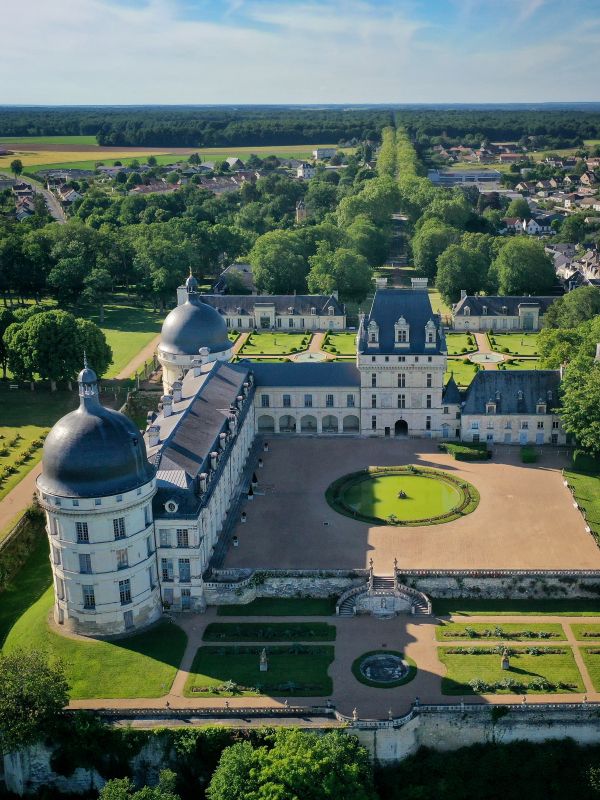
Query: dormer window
point(484, 310)
point(467, 311)
point(430, 334)
point(549, 395)
point(373, 332)
point(490, 407)
point(313, 311)
point(519, 395)
point(401, 333)
point(330, 310)
point(504, 310)
point(540, 407)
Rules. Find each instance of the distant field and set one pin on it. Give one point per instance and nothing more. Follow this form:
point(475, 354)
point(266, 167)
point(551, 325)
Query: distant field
point(80, 159)
point(88, 140)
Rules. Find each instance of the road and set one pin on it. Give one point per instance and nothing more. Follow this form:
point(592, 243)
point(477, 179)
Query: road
point(54, 207)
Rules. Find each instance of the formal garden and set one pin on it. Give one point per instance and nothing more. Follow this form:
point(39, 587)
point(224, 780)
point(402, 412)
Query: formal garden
point(462, 370)
point(515, 344)
point(511, 631)
point(402, 496)
point(340, 343)
point(520, 363)
point(460, 343)
point(384, 669)
point(275, 344)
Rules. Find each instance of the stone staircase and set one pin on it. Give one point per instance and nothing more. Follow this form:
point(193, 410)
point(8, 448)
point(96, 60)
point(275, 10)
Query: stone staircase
point(383, 586)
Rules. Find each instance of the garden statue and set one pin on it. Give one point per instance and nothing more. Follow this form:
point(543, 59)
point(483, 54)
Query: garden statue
point(505, 663)
point(354, 714)
point(264, 664)
point(402, 495)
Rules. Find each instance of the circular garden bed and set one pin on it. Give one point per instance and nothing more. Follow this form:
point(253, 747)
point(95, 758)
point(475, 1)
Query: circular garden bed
point(384, 669)
point(402, 496)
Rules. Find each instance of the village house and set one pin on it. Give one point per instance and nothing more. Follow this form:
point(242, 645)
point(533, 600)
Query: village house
point(306, 171)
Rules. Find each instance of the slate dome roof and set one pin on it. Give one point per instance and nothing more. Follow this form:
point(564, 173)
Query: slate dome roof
point(193, 325)
point(93, 451)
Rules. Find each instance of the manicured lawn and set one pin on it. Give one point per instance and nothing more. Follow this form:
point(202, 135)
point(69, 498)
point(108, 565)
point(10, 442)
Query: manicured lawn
point(269, 631)
point(27, 416)
point(128, 330)
point(144, 665)
point(526, 631)
point(586, 491)
point(566, 608)
point(437, 303)
point(261, 360)
point(293, 671)
point(591, 659)
point(460, 343)
point(559, 669)
point(520, 363)
point(518, 344)
point(342, 344)
point(281, 607)
point(583, 632)
point(275, 344)
point(462, 369)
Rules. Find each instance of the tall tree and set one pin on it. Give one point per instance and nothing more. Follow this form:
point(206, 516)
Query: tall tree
point(277, 265)
point(123, 789)
point(6, 318)
point(16, 167)
point(573, 308)
point(96, 289)
point(34, 692)
point(519, 207)
point(580, 406)
point(459, 268)
point(522, 267)
point(430, 241)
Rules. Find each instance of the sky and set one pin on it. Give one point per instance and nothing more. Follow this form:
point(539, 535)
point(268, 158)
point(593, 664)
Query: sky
point(298, 51)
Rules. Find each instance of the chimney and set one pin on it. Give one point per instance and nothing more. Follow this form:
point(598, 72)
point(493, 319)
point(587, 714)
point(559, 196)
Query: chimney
point(197, 366)
point(239, 400)
point(153, 435)
point(463, 294)
point(222, 441)
point(202, 481)
point(232, 423)
point(213, 459)
point(167, 402)
point(204, 355)
point(177, 391)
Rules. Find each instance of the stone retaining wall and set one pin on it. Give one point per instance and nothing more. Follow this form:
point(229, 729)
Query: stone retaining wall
point(284, 585)
point(504, 584)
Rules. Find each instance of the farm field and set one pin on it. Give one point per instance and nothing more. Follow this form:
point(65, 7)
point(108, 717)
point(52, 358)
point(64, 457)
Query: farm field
point(74, 140)
point(74, 159)
point(518, 344)
point(526, 669)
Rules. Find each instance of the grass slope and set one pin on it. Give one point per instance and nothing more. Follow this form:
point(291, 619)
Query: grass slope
point(586, 490)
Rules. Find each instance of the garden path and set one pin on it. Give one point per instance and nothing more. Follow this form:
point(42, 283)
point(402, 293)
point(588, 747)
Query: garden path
point(483, 346)
point(17, 500)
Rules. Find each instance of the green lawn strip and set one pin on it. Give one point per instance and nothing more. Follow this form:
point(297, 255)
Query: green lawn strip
point(144, 665)
point(462, 370)
point(412, 670)
point(341, 344)
point(281, 607)
point(79, 139)
point(261, 360)
point(27, 586)
point(458, 343)
point(481, 673)
point(274, 344)
point(575, 607)
point(585, 631)
point(515, 631)
point(293, 670)
point(128, 330)
point(466, 451)
point(520, 363)
point(591, 659)
point(27, 417)
point(269, 631)
point(518, 344)
point(437, 303)
point(586, 491)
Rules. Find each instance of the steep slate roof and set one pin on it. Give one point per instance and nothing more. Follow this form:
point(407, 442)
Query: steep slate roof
point(318, 376)
point(451, 395)
point(489, 385)
point(301, 304)
point(415, 307)
point(495, 303)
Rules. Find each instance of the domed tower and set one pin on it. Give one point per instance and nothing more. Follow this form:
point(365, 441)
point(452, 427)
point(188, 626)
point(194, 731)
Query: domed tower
point(96, 488)
point(187, 329)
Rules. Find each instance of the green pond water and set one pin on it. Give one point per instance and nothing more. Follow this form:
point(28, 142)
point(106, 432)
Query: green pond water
point(377, 496)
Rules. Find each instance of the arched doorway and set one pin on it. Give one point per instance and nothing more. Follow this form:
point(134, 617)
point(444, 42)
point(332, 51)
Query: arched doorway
point(287, 424)
point(330, 424)
point(351, 424)
point(266, 424)
point(401, 428)
point(308, 424)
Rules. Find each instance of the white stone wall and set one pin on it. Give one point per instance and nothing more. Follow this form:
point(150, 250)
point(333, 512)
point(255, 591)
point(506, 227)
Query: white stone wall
point(513, 428)
point(286, 323)
point(308, 410)
point(174, 367)
point(111, 561)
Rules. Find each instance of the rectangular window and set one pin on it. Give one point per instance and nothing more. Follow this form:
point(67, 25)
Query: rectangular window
point(287, 401)
point(149, 550)
point(279, 322)
point(164, 537)
point(373, 379)
point(350, 400)
point(128, 620)
point(428, 401)
point(291, 322)
point(239, 322)
point(264, 400)
point(373, 423)
point(151, 582)
point(56, 555)
point(429, 379)
point(97, 502)
point(85, 563)
point(81, 528)
point(119, 527)
point(166, 569)
point(427, 423)
point(183, 537)
point(54, 526)
point(228, 322)
point(401, 380)
point(89, 597)
point(525, 426)
point(329, 401)
point(185, 574)
point(302, 325)
point(119, 498)
point(446, 409)
point(540, 425)
point(555, 424)
point(308, 401)
point(122, 559)
point(401, 359)
point(125, 592)
point(60, 588)
point(401, 401)
point(475, 425)
point(75, 503)
point(416, 359)
point(373, 401)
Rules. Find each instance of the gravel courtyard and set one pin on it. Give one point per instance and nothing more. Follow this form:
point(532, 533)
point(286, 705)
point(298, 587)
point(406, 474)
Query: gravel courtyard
point(525, 519)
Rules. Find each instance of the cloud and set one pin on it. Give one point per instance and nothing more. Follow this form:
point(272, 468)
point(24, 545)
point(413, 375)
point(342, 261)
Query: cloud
point(257, 51)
